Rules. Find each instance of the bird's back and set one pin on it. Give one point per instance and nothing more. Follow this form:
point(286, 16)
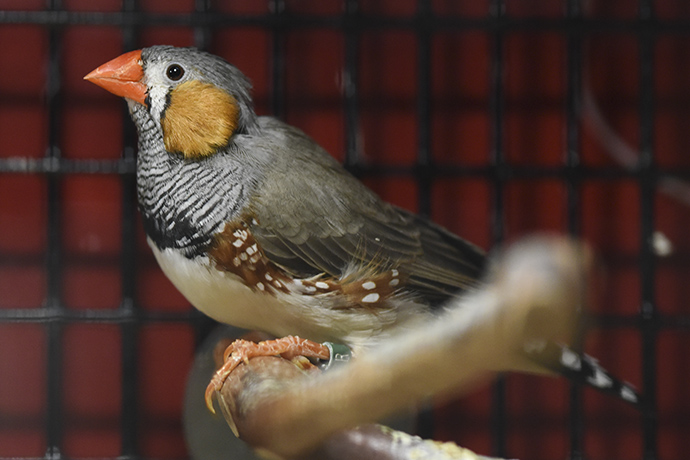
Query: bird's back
point(314, 217)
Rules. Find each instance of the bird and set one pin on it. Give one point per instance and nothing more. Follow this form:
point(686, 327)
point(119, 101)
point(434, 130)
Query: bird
point(261, 228)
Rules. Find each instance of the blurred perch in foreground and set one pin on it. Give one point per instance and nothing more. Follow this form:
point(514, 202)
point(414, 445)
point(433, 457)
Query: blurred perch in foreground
point(534, 295)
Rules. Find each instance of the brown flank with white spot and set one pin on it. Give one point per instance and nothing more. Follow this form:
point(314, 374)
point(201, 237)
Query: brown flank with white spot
point(236, 251)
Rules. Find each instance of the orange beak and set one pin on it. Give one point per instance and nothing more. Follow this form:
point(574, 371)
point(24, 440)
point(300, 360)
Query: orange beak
point(122, 76)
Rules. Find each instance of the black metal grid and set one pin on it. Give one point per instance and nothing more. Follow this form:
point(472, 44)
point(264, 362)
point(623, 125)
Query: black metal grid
point(646, 27)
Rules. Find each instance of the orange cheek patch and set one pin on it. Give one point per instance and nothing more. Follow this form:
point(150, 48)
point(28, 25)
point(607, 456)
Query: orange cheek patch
point(199, 120)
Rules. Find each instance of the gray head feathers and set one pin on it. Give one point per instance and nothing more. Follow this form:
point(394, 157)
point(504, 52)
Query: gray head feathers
point(206, 67)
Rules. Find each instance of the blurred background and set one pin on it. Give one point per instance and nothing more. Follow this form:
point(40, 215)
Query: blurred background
point(497, 118)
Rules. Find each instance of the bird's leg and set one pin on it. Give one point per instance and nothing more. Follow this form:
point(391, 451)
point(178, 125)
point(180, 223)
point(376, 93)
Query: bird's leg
point(239, 351)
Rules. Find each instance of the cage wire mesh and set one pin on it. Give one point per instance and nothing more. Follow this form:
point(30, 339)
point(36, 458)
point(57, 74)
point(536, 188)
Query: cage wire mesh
point(495, 118)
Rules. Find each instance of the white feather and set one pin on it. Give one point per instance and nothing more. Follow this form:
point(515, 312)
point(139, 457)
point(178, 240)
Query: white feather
point(225, 298)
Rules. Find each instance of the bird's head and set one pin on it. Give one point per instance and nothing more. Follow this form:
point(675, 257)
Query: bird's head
point(198, 100)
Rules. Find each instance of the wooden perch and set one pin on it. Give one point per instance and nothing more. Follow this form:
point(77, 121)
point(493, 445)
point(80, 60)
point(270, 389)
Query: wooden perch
point(533, 294)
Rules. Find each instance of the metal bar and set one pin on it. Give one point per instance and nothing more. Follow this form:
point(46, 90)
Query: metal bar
point(424, 163)
point(278, 38)
point(56, 165)
point(648, 311)
point(127, 166)
point(123, 315)
point(128, 311)
point(499, 168)
point(665, 322)
point(496, 109)
point(350, 84)
point(120, 316)
point(573, 103)
point(54, 330)
point(572, 161)
point(220, 20)
point(202, 32)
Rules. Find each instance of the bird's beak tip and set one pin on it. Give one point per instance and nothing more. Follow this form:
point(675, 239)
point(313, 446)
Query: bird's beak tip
point(121, 76)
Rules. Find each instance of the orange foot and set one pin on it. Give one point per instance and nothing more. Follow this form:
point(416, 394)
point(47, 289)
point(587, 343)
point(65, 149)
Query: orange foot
point(242, 350)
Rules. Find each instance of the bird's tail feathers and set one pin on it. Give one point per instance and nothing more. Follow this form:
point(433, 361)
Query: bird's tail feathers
point(580, 368)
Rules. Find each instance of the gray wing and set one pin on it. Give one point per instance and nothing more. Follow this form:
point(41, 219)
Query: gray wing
point(313, 217)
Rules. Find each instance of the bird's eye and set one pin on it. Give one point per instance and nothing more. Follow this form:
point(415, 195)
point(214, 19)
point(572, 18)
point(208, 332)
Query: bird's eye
point(174, 72)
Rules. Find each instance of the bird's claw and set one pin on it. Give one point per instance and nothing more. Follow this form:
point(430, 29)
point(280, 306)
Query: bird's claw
point(243, 350)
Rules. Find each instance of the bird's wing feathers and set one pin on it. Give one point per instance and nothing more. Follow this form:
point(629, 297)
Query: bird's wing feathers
point(448, 263)
point(313, 218)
